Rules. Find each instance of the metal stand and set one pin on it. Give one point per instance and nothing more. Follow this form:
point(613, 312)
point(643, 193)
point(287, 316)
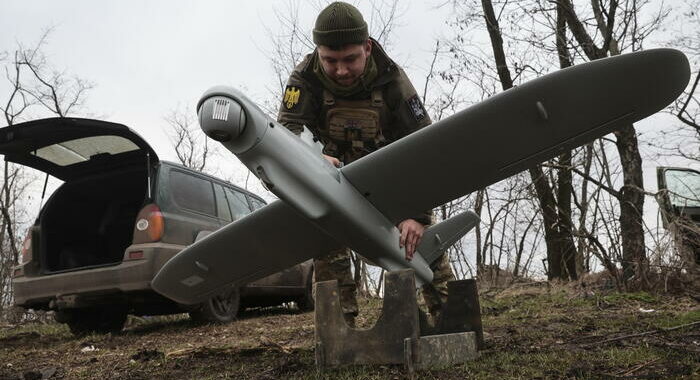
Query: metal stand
point(402, 334)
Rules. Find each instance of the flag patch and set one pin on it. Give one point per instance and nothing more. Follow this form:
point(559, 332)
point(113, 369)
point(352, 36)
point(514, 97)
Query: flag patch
point(416, 107)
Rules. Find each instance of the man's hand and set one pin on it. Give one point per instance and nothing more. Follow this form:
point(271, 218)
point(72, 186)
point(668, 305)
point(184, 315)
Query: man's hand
point(334, 161)
point(411, 233)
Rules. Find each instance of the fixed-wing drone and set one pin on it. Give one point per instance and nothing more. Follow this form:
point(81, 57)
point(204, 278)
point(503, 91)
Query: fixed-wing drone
point(321, 207)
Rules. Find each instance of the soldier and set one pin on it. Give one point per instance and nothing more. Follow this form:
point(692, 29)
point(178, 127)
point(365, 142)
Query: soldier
point(355, 99)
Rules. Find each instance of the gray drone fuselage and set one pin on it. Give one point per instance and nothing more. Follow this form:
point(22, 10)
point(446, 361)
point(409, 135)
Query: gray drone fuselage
point(298, 174)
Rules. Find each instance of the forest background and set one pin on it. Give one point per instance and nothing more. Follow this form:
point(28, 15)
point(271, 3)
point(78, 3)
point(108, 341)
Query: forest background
point(593, 209)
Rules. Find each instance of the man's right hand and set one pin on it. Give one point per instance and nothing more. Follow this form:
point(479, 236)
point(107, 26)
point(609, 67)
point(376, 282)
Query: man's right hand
point(334, 161)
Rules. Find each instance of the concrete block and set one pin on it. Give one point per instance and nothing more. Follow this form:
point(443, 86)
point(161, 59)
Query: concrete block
point(440, 350)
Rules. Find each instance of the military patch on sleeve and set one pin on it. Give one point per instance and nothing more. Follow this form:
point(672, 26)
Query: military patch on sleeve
point(416, 107)
point(291, 97)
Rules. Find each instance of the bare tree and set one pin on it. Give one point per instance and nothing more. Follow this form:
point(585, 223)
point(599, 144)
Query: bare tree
point(618, 28)
point(685, 142)
point(34, 82)
point(290, 41)
point(191, 145)
point(34, 85)
point(14, 217)
point(684, 114)
point(555, 212)
point(529, 38)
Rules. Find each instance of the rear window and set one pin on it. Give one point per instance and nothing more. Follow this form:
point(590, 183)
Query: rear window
point(80, 150)
point(192, 192)
point(256, 203)
point(221, 204)
point(238, 203)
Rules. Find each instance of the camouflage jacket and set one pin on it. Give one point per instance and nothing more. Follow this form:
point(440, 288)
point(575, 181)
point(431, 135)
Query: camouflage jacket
point(404, 111)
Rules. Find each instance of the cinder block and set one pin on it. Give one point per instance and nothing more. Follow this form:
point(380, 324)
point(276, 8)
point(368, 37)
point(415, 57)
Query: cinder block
point(440, 350)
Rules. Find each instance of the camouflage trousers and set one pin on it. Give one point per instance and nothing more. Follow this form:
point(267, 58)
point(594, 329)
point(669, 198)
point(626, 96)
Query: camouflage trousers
point(435, 293)
point(336, 266)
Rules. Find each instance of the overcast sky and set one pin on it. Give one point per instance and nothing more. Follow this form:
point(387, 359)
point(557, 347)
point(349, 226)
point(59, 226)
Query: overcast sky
point(149, 57)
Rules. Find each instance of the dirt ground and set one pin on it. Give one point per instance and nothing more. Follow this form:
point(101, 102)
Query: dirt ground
point(532, 331)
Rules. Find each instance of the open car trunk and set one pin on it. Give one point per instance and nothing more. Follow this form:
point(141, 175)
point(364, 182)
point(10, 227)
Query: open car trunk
point(90, 222)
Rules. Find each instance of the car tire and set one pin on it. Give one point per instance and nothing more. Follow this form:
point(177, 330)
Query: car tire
point(222, 308)
point(306, 302)
point(100, 320)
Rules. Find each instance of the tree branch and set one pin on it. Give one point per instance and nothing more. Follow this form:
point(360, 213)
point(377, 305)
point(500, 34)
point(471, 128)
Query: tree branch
point(579, 31)
point(685, 105)
point(610, 190)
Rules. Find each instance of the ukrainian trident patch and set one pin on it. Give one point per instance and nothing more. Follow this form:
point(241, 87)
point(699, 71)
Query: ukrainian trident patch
point(291, 97)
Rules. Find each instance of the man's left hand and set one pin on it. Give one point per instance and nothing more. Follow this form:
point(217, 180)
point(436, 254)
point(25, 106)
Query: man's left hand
point(411, 233)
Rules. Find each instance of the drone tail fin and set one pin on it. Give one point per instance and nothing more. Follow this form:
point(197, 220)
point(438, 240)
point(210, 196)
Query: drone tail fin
point(439, 237)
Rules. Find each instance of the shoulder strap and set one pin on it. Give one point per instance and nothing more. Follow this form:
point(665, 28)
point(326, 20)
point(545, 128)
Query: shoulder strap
point(328, 98)
point(377, 98)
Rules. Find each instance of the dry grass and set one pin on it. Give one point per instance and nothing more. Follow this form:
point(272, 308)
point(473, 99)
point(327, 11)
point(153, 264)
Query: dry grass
point(536, 330)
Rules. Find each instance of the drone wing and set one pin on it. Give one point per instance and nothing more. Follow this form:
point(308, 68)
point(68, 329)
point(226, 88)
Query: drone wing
point(517, 129)
point(267, 241)
point(481, 145)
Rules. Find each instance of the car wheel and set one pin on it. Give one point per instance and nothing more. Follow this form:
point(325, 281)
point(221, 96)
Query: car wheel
point(221, 308)
point(306, 303)
point(100, 320)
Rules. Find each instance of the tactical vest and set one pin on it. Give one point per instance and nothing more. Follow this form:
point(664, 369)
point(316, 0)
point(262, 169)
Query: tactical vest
point(353, 128)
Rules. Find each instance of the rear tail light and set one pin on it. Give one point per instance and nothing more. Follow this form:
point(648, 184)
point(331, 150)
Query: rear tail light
point(150, 225)
point(26, 249)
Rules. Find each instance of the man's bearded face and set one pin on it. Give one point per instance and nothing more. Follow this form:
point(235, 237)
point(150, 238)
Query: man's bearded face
point(345, 65)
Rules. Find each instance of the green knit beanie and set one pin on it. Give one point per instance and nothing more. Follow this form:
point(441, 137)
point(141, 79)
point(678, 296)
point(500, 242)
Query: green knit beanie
point(340, 24)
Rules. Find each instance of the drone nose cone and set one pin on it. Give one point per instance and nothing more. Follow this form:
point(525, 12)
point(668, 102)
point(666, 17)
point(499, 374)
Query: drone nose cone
point(221, 118)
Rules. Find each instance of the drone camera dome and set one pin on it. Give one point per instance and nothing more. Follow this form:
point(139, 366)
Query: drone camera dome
point(222, 118)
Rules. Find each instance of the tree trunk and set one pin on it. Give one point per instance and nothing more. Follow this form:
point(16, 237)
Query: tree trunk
point(478, 204)
point(583, 258)
point(560, 246)
point(631, 197)
point(5, 210)
point(560, 243)
point(564, 179)
point(634, 259)
point(564, 190)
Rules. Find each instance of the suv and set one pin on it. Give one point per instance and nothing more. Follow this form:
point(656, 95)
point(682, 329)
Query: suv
point(119, 216)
